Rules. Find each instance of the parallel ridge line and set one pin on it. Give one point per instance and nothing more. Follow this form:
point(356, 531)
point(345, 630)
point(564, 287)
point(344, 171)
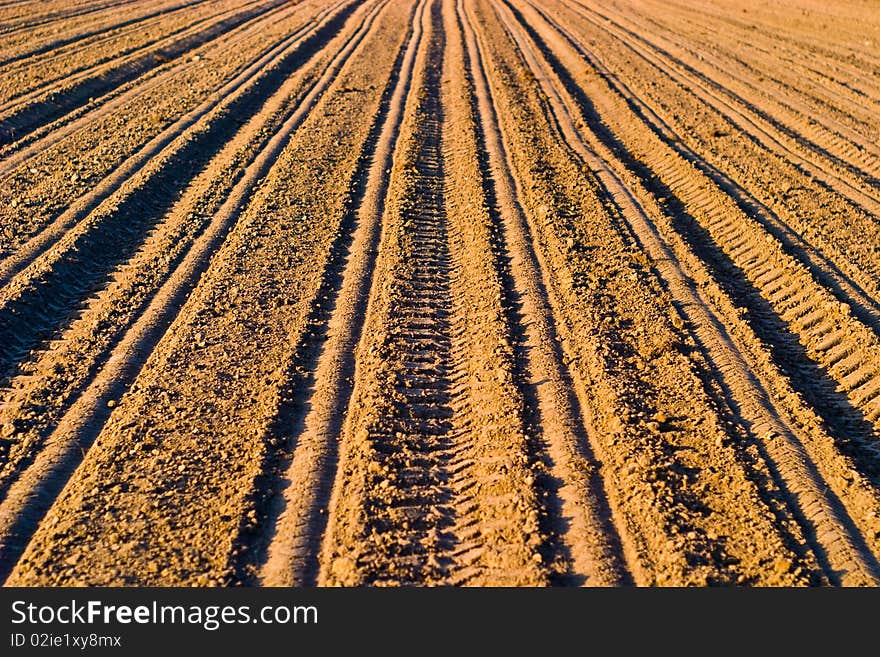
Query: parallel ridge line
point(802, 45)
point(130, 173)
point(45, 19)
point(813, 127)
point(173, 236)
point(810, 127)
point(251, 544)
point(103, 45)
point(739, 53)
point(60, 43)
point(39, 296)
point(427, 420)
point(507, 519)
point(423, 449)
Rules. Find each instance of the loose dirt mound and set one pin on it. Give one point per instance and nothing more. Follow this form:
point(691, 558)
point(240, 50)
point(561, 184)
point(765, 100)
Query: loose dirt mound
point(469, 292)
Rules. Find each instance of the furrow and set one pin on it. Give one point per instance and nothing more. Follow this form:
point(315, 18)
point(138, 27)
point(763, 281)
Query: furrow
point(193, 440)
point(670, 447)
point(34, 20)
point(815, 116)
point(27, 78)
point(548, 293)
point(814, 119)
point(852, 286)
point(508, 516)
point(234, 91)
point(65, 368)
point(765, 272)
point(95, 28)
point(845, 75)
point(844, 61)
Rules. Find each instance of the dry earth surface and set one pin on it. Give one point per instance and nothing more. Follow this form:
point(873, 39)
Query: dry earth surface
point(440, 292)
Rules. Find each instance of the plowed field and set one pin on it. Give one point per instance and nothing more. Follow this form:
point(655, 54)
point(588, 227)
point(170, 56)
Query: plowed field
point(439, 292)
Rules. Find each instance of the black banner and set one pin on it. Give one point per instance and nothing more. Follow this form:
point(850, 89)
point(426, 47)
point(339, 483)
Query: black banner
point(149, 621)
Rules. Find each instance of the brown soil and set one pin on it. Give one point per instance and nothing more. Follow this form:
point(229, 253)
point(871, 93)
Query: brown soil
point(439, 292)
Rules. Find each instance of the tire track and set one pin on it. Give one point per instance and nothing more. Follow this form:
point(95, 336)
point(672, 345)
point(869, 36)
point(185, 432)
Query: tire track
point(810, 122)
point(671, 448)
point(412, 481)
point(831, 530)
point(510, 523)
point(659, 417)
point(824, 52)
point(297, 524)
point(420, 496)
point(591, 538)
point(230, 343)
point(39, 482)
point(827, 225)
point(792, 77)
point(820, 116)
point(813, 117)
point(842, 65)
point(439, 292)
point(850, 287)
